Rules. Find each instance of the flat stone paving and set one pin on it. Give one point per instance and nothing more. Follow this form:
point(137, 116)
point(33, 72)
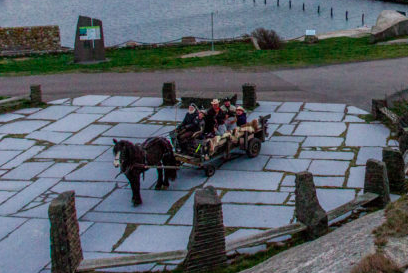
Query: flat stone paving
point(68, 146)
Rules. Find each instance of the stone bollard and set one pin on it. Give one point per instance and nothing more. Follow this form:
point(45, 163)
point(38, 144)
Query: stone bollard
point(395, 168)
point(36, 94)
point(249, 95)
point(375, 108)
point(169, 93)
point(206, 247)
point(66, 250)
point(307, 208)
point(376, 181)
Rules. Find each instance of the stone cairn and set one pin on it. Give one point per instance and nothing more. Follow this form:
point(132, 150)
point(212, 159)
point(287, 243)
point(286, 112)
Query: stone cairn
point(395, 168)
point(35, 94)
point(206, 247)
point(169, 93)
point(66, 250)
point(249, 95)
point(376, 181)
point(307, 207)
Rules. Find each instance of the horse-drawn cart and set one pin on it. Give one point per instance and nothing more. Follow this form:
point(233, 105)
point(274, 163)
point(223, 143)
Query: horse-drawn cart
point(197, 155)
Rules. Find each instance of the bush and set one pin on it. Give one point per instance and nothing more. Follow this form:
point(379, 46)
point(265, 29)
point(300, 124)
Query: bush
point(376, 263)
point(267, 39)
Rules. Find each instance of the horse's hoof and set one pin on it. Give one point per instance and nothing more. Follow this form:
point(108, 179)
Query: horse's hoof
point(137, 203)
point(165, 187)
point(157, 188)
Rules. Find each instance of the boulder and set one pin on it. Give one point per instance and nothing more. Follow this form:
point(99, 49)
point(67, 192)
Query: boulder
point(389, 24)
point(311, 39)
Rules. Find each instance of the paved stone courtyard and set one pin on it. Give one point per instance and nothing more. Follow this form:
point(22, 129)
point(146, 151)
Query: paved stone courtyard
point(68, 146)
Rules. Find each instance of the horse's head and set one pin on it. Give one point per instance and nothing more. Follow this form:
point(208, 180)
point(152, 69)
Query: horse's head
point(126, 153)
point(118, 149)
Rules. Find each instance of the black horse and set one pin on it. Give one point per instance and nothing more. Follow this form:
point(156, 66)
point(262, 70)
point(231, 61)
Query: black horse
point(133, 160)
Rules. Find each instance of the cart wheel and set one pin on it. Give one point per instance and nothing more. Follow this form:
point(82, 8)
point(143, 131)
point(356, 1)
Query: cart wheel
point(209, 170)
point(254, 147)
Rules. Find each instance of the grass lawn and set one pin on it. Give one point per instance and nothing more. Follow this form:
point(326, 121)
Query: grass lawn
point(237, 55)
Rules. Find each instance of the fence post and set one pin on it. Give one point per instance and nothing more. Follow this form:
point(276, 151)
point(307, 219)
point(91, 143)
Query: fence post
point(249, 95)
point(395, 168)
point(206, 246)
point(376, 181)
point(35, 94)
point(307, 206)
point(169, 93)
point(375, 108)
point(66, 250)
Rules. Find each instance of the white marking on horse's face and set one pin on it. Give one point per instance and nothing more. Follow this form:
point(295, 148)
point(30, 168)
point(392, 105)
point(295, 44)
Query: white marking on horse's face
point(116, 162)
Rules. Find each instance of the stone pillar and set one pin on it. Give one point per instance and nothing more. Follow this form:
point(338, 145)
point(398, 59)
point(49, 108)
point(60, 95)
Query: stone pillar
point(86, 50)
point(169, 93)
point(376, 181)
point(403, 142)
point(307, 208)
point(206, 247)
point(249, 95)
point(35, 94)
point(66, 251)
point(395, 168)
point(375, 108)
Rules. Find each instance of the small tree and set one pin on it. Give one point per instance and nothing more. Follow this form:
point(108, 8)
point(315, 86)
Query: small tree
point(267, 39)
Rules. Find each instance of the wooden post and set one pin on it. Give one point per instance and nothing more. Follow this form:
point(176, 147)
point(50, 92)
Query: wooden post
point(169, 93)
point(35, 94)
point(290, 4)
point(277, 3)
point(318, 9)
point(395, 168)
point(303, 6)
point(331, 12)
point(249, 95)
point(66, 250)
point(346, 15)
point(375, 108)
point(362, 19)
point(376, 181)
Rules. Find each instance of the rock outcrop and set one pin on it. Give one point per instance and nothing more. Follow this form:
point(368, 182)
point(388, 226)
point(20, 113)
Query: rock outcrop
point(389, 24)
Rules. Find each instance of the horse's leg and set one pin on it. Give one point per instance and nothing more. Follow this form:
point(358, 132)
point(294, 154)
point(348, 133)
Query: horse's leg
point(166, 179)
point(159, 182)
point(134, 180)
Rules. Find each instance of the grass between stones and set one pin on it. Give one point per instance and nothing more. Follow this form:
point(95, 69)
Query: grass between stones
point(376, 262)
point(17, 105)
point(236, 55)
point(396, 224)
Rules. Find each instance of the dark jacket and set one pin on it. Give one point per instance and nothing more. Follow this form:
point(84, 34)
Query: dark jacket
point(211, 119)
point(242, 119)
point(188, 121)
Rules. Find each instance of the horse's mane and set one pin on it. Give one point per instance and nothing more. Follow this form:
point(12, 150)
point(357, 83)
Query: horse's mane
point(130, 152)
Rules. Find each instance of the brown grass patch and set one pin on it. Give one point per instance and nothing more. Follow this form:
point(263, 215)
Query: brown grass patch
point(376, 263)
point(396, 224)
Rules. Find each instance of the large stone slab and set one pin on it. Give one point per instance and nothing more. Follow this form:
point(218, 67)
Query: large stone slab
point(367, 135)
point(169, 114)
point(102, 237)
point(89, 100)
point(333, 181)
point(97, 171)
point(281, 118)
point(7, 156)
point(326, 155)
point(356, 177)
point(328, 167)
point(94, 110)
point(53, 112)
point(186, 179)
point(23, 157)
point(87, 189)
point(366, 153)
point(27, 195)
point(53, 137)
point(320, 129)
point(18, 144)
point(33, 233)
point(73, 152)
point(9, 117)
point(322, 142)
point(148, 101)
point(156, 239)
point(245, 180)
point(4, 195)
point(153, 201)
point(256, 216)
point(134, 218)
point(109, 140)
point(132, 130)
point(287, 139)
point(255, 197)
point(352, 110)
point(9, 224)
point(87, 134)
point(332, 198)
point(27, 171)
point(6, 185)
point(279, 148)
point(27, 111)
point(119, 101)
point(325, 107)
point(59, 170)
point(244, 163)
point(288, 165)
point(72, 123)
point(122, 116)
point(319, 116)
point(23, 126)
point(286, 129)
point(291, 107)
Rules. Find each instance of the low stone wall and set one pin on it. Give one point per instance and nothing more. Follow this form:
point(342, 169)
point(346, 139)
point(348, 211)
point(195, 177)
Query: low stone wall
point(36, 38)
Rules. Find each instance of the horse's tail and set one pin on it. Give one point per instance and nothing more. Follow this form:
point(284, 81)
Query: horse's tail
point(169, 160)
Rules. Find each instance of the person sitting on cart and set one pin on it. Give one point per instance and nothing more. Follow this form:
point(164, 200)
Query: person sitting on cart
point(230, 113)
point(241, 116)
point(189, 125)
point(215, 117)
